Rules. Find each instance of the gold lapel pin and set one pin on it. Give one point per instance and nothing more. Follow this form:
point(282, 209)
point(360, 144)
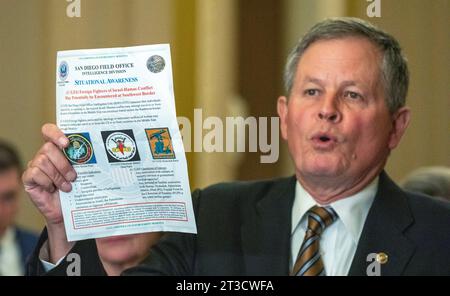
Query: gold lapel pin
point(382, 258)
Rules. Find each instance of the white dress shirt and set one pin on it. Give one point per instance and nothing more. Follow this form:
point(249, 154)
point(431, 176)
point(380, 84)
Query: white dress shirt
point(339, 240)
point(10, 256)
point(44, 257)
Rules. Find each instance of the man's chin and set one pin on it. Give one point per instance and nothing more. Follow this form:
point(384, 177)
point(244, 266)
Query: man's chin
point(324, 171)
point(118, 258)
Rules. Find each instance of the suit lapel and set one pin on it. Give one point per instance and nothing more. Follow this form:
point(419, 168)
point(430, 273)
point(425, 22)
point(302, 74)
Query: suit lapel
point(383, 231)
point(266, 233)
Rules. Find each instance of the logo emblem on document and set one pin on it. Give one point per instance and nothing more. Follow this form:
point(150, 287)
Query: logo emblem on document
point(80, 149)
point(160, 143)
point(156, 63)
point(63, 70)
point(120, 146)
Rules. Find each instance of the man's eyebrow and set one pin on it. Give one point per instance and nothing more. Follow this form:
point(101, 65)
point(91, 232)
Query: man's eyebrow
point(359, 83)
point(350, 82)
point(313, 80)
point(345, 83)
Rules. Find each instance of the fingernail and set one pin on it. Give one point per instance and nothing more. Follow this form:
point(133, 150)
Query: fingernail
point(71, 176)
point(63, 141)
point(66, 187)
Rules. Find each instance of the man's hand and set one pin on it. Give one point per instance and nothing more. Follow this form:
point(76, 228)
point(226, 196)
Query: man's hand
point(47, 172)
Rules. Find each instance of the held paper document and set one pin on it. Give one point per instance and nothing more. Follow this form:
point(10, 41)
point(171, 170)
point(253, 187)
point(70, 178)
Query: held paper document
point(117, 108)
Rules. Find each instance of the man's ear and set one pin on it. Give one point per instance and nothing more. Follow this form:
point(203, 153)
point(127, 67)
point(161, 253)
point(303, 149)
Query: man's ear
point(282, 108)
point(400, 122)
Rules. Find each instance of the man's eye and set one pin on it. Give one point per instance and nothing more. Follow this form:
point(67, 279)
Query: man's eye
point(8, 197)
point(311, 92)
point(352, 95)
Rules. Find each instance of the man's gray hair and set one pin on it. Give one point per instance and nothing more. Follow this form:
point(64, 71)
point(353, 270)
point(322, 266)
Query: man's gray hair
point(394, 68)
point(434, 181)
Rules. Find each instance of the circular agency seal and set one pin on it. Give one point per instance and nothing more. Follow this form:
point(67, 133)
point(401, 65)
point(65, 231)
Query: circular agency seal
point(156, 63)
point(79, 150)
point(63, 70)
point(120, 146)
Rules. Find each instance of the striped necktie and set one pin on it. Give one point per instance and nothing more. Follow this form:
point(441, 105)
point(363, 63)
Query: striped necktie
point(308, 261)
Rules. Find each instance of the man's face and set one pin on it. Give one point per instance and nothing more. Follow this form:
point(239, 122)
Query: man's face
point(126, 250)
point(336, 120)
point(9, 198)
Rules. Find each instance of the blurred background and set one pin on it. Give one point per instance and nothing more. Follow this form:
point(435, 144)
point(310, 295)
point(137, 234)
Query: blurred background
point(228, 57)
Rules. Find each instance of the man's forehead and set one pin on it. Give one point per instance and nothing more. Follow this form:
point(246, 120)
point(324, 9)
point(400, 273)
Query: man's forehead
point(349, 49)
point(352, 61)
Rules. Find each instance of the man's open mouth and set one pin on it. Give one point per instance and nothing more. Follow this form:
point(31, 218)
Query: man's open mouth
point(324, 138)
point(324, 141)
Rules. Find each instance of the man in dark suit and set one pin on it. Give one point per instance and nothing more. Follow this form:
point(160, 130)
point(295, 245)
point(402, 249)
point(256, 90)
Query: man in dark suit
point(346, 84)
point(16, 244)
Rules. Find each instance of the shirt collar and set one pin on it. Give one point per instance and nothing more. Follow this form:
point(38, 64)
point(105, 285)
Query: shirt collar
point(352, 210)
point(8, 238)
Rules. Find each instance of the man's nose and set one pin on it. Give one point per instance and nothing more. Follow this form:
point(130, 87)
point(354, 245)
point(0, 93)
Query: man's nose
point(329, 110)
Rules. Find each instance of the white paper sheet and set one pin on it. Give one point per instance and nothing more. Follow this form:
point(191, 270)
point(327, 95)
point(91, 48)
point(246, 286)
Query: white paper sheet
point(117, 107)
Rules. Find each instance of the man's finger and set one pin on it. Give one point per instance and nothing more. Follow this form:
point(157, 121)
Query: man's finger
point(59, 161)
point(52, 133)
point(34, 177)
point(46, 166)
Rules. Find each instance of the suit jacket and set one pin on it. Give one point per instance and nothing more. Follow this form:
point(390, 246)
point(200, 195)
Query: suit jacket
point(244, 228)
point(26, 241)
